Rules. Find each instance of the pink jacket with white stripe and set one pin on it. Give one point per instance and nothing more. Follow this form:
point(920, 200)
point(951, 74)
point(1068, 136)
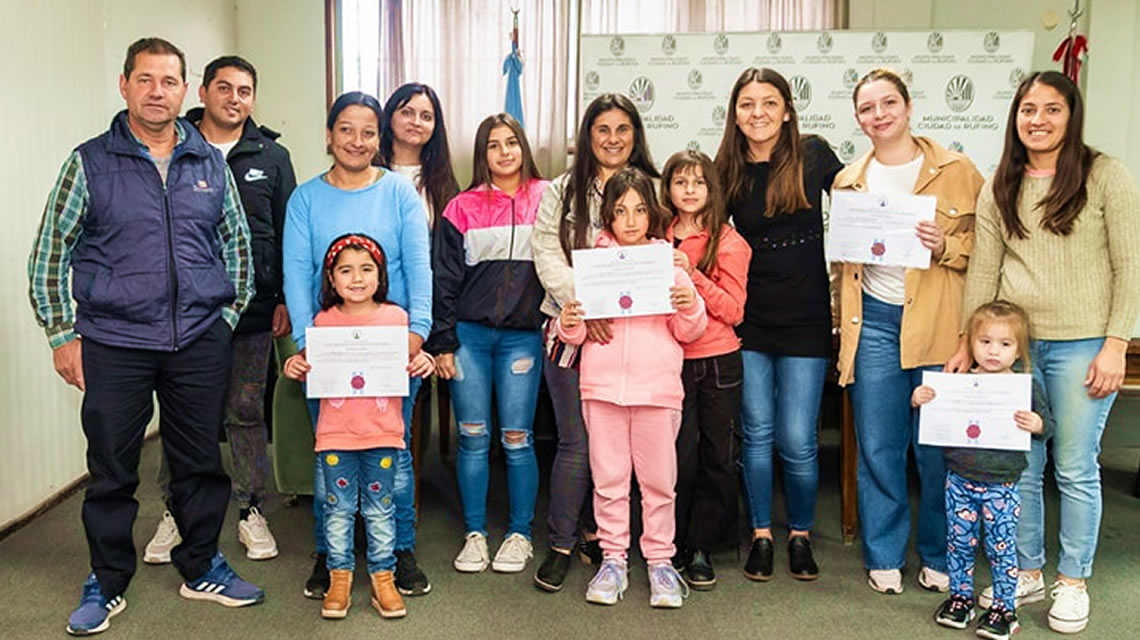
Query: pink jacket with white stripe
point(641, 365)
point(482, 265)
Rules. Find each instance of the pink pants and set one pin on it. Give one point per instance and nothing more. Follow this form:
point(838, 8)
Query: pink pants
point(625, 439)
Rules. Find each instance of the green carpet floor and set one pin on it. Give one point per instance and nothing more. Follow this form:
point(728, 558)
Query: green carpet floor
point(43, 564)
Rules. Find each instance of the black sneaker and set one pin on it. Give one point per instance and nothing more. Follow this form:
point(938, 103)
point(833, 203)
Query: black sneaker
point(998, 624)
point(552, 573)
point(410, 581)
point(318, 583)
point(590, 551)
point(801, 564)
point(759, 564)
point(956, 612)
point(700, 574)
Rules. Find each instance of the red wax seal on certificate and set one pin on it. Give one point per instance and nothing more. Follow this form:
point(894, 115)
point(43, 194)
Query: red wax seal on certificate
point(878, 248)
point(625, 301)
point(973, 431)
point(357, 382)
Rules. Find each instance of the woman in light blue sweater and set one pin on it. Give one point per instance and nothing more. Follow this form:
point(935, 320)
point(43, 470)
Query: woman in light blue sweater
point(355, 196)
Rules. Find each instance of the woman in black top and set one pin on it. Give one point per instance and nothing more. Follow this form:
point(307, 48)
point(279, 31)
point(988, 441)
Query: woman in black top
point(775, 180)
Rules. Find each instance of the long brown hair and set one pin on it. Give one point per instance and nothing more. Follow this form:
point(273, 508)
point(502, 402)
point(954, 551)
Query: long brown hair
point(481, 170)
point(1067, 194)
point(785, 192)
point(618, 185)
point(1010, 315)
point(576, 191)
point(712, 217)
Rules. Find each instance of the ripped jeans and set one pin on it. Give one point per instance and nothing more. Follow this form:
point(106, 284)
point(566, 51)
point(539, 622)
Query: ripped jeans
point(510, 362)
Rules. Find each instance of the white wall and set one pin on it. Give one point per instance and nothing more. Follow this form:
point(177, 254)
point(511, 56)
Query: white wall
point(60, 61)
point(288, 51)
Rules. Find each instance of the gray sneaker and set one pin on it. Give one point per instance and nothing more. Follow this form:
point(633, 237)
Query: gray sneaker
point(666, 588)
point(609, 583)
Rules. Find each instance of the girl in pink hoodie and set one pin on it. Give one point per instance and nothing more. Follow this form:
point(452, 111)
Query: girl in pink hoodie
point(631, 402)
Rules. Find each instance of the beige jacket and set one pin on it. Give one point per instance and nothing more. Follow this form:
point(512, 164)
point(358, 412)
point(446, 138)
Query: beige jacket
point(550, 262)
point(933, 297)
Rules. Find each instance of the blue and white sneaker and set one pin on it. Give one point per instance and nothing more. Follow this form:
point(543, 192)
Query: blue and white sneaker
point(95, 611)
point(609, 583)
point(666, 588)
point(220, 584)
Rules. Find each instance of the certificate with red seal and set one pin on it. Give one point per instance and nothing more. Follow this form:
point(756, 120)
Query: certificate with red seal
point(878, 229)
point(356, 362)
point(975, 410)
point(615, 282)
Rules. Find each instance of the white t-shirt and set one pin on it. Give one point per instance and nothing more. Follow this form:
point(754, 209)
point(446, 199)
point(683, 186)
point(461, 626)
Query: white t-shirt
point(412, 172)
point(883, 282)
point(225, 147)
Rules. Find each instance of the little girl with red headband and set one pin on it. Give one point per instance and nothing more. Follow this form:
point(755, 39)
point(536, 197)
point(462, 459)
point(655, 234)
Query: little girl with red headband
point(358, 438)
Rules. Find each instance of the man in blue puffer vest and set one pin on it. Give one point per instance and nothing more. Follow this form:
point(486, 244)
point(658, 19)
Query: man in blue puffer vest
point(145, 231)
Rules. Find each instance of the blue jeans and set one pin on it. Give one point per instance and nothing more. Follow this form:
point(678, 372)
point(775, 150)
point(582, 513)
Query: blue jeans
point(404, 486)
point(1077, 422)
point(886, 428)
point(780, 406)
point(365, 478)
point(510, 362)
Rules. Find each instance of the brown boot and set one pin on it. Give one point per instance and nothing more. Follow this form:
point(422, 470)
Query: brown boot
point(385, 598)
point(339, 596)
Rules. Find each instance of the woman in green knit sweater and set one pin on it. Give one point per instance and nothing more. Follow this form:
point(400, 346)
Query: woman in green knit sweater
point(1057, 230)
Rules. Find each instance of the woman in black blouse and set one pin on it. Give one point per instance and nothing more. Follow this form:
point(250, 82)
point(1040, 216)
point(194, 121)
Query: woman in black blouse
point(775, 180)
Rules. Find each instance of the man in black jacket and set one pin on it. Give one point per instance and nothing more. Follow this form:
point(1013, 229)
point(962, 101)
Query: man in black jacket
point(265, 179)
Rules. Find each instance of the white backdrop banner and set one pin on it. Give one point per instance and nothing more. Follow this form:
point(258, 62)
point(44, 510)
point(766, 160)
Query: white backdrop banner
point(961, 82)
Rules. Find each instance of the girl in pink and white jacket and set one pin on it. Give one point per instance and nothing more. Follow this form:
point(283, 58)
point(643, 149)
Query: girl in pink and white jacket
point(631, 402)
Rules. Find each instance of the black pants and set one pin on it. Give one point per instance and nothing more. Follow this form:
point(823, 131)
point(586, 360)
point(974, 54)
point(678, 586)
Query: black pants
point(707, 447)
point(191, 387)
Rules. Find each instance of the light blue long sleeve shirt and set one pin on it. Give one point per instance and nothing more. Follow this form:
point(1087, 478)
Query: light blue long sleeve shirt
point(390, 212)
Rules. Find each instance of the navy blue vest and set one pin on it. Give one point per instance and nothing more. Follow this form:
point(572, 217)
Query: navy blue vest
point(147, 271)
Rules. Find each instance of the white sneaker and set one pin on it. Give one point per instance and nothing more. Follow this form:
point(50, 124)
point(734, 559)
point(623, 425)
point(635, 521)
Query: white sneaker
point(513, 554)
point(667, 590)
point(885, 580)
point(933, 580)
point(253, 532)
point(473, 557)
point(1029, 590)
point(609, 583)
point(166, 537)
point(1070, 610)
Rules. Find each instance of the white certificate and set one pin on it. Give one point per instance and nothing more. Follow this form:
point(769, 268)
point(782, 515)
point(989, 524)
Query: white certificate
point(873, 228)
point(624, 281)
point(975, 410)
point(356, 361)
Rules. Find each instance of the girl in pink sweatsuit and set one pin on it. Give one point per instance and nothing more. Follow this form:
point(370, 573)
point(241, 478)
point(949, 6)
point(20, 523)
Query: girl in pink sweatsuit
point(631, 401)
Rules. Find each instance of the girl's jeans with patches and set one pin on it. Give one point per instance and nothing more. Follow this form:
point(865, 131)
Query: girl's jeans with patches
point(509, 362)
point(359, 479)
point(968, 504)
